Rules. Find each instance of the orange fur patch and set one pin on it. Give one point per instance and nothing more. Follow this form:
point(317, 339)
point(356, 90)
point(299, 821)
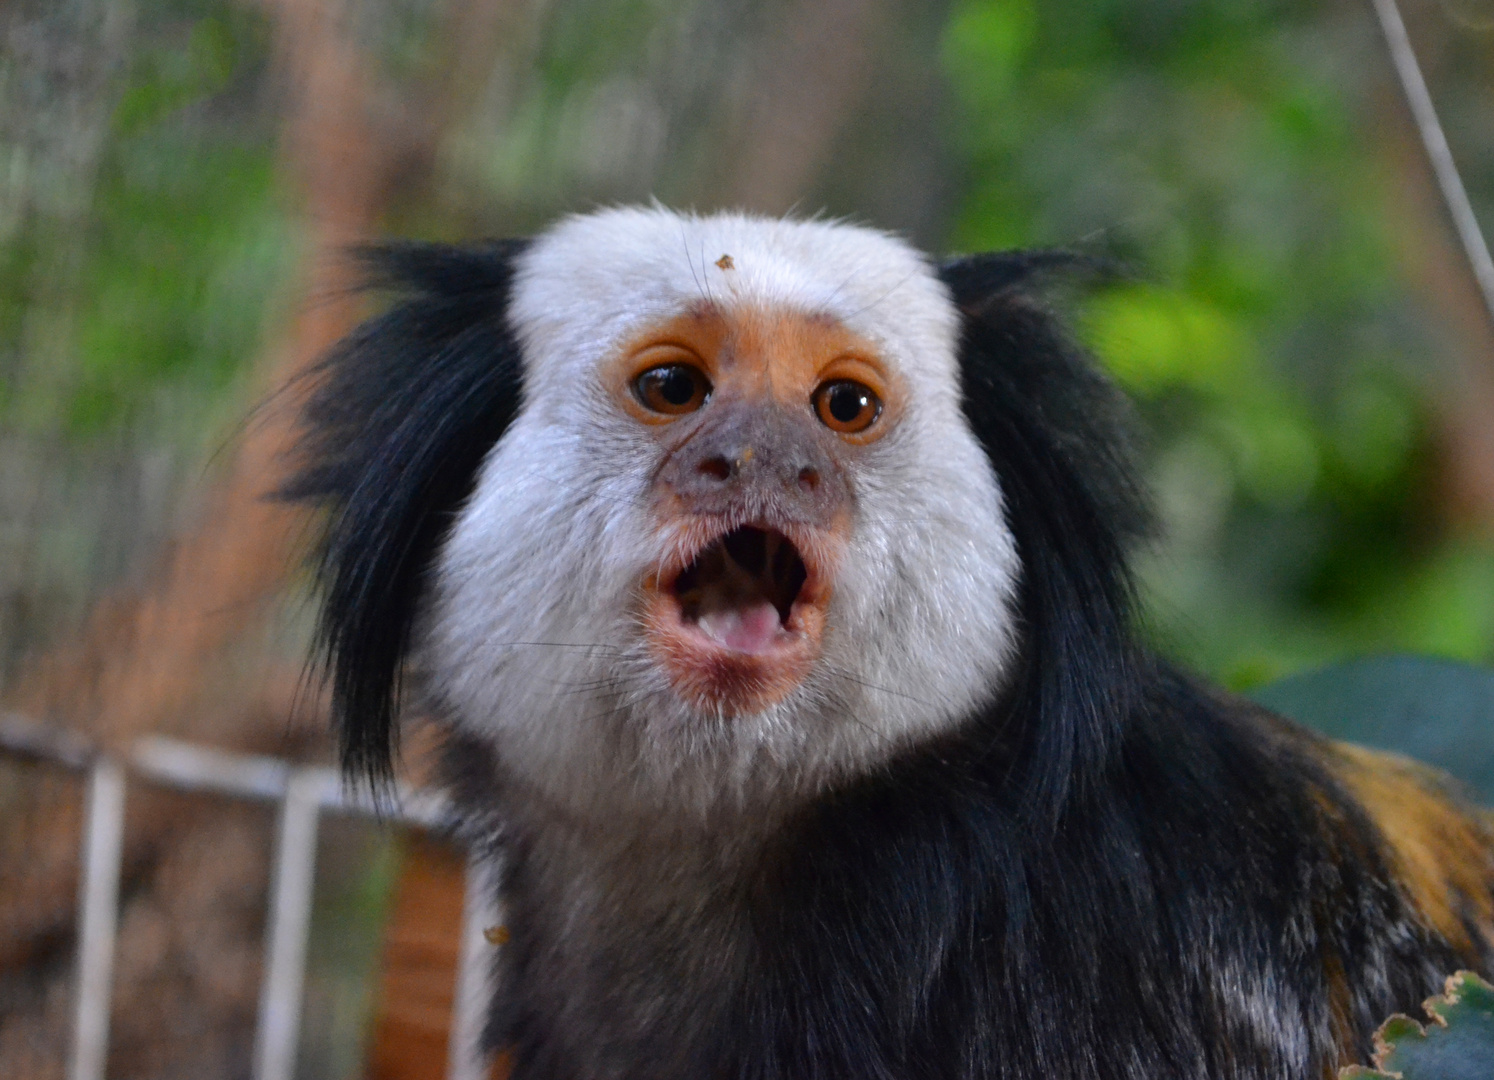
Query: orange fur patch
point(1443, 855)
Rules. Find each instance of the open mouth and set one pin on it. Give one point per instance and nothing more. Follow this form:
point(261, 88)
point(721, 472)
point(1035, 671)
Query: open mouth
point(742, 588)
point(739, 625)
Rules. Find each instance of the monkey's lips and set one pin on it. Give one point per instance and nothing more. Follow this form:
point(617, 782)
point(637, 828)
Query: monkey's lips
point(738, 625)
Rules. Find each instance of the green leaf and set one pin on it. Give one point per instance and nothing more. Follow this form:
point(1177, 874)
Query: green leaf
point(1457, 1045)
point(1430, 709)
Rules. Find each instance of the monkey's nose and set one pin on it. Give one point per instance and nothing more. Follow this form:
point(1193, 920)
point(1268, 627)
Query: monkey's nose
point(756, 460)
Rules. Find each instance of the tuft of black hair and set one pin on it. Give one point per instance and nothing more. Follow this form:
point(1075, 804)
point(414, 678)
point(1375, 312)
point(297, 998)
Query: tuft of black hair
point(1056, 432)
point(403, 413)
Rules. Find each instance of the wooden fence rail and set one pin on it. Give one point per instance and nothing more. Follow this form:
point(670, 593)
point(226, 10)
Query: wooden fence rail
point(303, 794)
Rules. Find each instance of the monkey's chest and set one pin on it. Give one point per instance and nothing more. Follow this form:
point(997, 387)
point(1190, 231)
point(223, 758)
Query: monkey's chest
point(612, 966)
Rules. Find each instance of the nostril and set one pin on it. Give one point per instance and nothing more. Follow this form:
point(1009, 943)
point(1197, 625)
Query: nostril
point(717, 468)
point(809, 478)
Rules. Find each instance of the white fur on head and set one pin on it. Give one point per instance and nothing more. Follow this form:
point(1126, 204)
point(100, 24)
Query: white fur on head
point(532, 639)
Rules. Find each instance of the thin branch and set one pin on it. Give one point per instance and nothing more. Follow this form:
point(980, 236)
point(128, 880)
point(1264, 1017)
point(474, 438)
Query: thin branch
point(1438, 152)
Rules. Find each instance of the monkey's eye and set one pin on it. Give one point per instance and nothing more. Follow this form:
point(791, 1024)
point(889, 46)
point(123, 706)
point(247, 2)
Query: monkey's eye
point(846, 406)
point(674, 389)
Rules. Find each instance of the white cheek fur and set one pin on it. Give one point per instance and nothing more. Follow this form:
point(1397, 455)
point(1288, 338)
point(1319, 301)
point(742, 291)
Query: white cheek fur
point(531, 633)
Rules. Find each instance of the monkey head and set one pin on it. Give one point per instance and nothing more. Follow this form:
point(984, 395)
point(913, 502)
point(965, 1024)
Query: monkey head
point(677, 511)
point(738, 536)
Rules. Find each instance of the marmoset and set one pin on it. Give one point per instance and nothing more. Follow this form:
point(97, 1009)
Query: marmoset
point(768, 581)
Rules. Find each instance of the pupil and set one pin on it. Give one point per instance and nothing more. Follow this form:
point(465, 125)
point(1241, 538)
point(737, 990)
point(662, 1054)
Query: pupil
point(676, 386)
point(846, 402)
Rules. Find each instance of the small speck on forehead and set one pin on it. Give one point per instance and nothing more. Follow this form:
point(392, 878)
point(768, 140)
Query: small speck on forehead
point(609, 274)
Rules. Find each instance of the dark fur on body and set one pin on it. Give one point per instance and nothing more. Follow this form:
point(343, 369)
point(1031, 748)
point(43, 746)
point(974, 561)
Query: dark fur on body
point(1109, 871)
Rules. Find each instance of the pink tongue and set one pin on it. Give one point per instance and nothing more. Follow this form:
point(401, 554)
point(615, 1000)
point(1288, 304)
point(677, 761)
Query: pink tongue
point(750, 630)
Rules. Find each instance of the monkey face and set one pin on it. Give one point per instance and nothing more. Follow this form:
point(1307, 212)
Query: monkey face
point(739, 537)
point(758, 415)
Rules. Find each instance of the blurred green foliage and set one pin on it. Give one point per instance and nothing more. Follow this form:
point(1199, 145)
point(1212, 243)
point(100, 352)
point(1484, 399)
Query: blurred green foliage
point(170, 265)
point(1270, 339)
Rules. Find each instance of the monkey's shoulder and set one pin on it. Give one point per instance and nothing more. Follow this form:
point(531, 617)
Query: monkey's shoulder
point(1436, 844)
point(1377, 819)
point(1257, 875)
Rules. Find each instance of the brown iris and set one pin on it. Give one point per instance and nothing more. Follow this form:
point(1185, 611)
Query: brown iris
point(847, 406)
point(672, 389)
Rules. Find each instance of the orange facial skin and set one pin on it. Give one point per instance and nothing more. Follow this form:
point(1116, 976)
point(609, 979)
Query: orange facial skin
point(768, 363)
point(767, 356)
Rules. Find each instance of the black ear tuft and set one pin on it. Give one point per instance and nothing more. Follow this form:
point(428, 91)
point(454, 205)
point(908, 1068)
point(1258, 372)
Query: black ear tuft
point(404, 411)
point(1056, 433)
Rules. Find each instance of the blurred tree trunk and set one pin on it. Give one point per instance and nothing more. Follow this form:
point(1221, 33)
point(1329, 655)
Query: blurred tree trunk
point(815, 71)
point(417, 973)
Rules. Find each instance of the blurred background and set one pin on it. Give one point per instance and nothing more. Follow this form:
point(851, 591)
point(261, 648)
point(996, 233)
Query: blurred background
point(1311, 361)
